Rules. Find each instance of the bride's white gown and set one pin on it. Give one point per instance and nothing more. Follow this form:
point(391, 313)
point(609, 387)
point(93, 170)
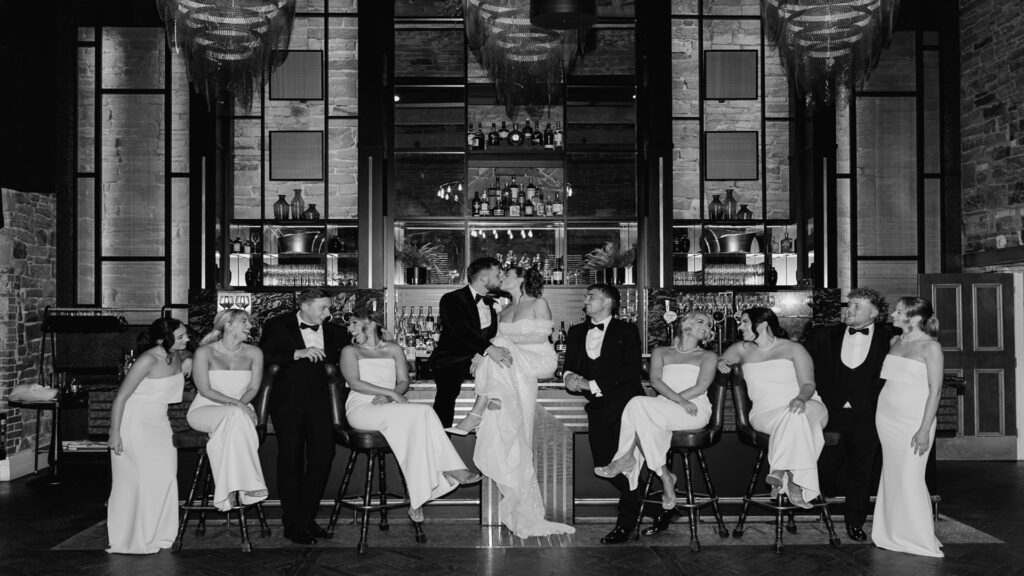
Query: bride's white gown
point(796, 439)
point(902, 520)
point(504, 445)
point(416, 436)
point(233, 447)
point(648, 423)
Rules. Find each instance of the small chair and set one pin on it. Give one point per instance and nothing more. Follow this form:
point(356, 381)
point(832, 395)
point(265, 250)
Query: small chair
point(687, 442)
point(375, 447)
point(196, 440)
point(780, 504)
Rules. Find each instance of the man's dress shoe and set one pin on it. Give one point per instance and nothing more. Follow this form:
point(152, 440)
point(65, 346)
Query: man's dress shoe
point(618, 535)
point(856, 533)
point(299, 536)
point(661, 523)
point(316, 531)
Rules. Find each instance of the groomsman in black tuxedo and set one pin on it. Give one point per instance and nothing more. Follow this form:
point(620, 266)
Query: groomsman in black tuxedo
point(469, 319)
point(602, 362)
point(300, 407)
point(847, 363)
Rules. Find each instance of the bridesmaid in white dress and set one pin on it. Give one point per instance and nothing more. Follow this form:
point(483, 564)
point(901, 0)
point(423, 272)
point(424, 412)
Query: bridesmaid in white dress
point(504, 446)
point(378, 376)
point(780, 380)
point(227, 373)
point(906, 421)
point(142, 511)
point(681, 374)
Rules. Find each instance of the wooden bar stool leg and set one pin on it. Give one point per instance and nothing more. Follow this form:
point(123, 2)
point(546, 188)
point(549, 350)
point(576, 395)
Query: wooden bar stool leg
point(204, 499)
point(791, 522)
point(826, 517)
point(349, 469)
point(722, 530)
point(367, 502)
point(186, 509)
point(243, 526)
point(737, 532)
point(264, 527)
point(644, 494)
point(691, 508)
point(778, 522)
point(382, 485)
point(421, 537)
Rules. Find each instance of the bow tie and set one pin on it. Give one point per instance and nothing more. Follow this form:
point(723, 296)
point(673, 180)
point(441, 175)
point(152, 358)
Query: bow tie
point(852, 331)
point(314, 328)
point(592, 326)
point(487, 299)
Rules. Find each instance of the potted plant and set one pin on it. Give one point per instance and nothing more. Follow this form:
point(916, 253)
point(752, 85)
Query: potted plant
point(610, 262)
point(418, 260)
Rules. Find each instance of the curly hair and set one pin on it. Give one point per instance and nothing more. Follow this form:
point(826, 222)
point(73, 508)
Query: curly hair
point(760, 316)
point(875, 298)
point(375, 322)
point(160, 333)
point(533, 280)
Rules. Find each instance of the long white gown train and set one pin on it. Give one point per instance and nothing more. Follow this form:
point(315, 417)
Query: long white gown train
point(648, 423)
point(504, 441)
point(233, 447)
point(796, 439)
point(413, 431)
point(902, 519)
point(142, 512)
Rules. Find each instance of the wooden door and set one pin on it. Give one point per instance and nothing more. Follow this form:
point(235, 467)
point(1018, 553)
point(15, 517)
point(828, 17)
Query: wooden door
point(976, 314)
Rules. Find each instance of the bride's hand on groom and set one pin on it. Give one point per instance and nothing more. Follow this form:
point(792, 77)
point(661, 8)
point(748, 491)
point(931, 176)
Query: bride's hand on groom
point(500, 355)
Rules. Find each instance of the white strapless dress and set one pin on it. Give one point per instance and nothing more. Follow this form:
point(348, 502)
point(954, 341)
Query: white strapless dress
point(142, 512)
point(504, 441)
point(416, 436)
point(902, 519)
point(796, 439)
point(233, 447)
point(648, 423)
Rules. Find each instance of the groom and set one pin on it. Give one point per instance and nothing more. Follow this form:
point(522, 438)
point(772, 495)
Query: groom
point(847, 364)
point(469, 319)
point(602, 362)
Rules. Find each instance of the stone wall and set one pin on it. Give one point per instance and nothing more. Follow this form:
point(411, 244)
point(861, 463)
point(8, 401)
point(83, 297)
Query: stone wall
point(27, 286)
point(992, 125)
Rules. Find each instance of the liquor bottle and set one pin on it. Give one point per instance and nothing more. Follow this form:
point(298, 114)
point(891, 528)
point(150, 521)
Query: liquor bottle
point(549, 137)
point(546, 271)
point(481, 138)
point(558, 275)
point(528, 133)
point(513, 187)
point(515, 207)
point(537, 138)
point(515, 137)
point(531, 190)
point(559, 136)
point(786, 244)
point(470, 138)
point(247, 247)
point(485, 206)
point(540, 206)
point(492, 136)
point(400, 333)
point(503, 134)
point(528, 208)
point(498, 208)
point(236, 245)
point(556, 205)
point(560, 344)
point(428, 322)
point(476, 204)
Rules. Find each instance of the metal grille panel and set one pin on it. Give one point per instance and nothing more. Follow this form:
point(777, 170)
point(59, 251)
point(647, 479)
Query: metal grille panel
point(730, 156)
point(297, 155)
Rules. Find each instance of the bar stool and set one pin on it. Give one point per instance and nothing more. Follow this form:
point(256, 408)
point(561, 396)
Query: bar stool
point(196, 440)
point(375, 447)
point(687, 442)
point(780, 504)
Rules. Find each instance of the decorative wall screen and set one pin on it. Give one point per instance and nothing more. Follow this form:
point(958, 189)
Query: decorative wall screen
point(300, 77)
point(730, 156)
point(730, 74)
point(297, 155)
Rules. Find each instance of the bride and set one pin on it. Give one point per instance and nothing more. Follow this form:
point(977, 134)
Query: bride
point(504, 407)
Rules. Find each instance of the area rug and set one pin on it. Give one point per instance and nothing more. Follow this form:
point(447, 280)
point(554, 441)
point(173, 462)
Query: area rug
point(463, 534)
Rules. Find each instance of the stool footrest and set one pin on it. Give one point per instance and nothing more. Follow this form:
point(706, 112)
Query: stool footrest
point(767, 502)
point(701, 501)
point(353, 502)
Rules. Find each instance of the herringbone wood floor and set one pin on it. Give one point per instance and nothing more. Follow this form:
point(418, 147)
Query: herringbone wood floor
point(987, 496)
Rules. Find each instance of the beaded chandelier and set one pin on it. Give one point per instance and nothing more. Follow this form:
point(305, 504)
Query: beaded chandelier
point(230, 46)
point(829, 47)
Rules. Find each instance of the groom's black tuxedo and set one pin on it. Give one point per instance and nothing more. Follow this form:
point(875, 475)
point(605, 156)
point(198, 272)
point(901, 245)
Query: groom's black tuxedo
point(853, 462)
point(617, 373)
point(462, 338)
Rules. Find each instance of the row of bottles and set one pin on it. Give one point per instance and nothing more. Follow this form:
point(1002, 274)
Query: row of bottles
point(718, 210)
point(512, 201)
point(681, 243)
point(417, 333)
point(548, 138)
point(296, 210)
point(550, 268)
point(254, 245)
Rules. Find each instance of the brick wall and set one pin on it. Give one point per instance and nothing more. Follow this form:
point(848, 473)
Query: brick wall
point(27, 285)
point(992, 125)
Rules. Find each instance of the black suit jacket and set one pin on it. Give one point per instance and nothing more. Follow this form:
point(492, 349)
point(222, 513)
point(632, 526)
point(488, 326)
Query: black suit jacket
point(825, 346)
point(618, 371)
point(461, 335)
point(299, 381)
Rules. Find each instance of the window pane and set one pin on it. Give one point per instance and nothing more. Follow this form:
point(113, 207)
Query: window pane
point(776, 85)
point(893, 279)
point(601, 117)
point(133, 58)
point(521, 241)
point(611, 51)
point(309, 5)
point(86, 109)
point(686, 164)
point(85, 220)
point(420, 8)
point(886, 177)
point(438, 53)
point(684, 7)
point(844, 254)
point(932, 117)
point(776, 171)
point(896, 65)
point(616, 8)
point(343, 67)
point(246, 177)
point(134, 285)
point(604, 185)
point(582, 241)
point(441, 249)
point(133, 175)
point(933, 226)
point(180, 222)
point(417, 178)
point(685, 68)
point(342, 169)
point(733, 7)
point(180, 92)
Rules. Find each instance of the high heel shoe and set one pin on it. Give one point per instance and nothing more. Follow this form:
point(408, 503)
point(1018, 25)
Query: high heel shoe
point(416, 514)
point(613, 469)
point(668, 498)
point(472, 478)
point(465, 431)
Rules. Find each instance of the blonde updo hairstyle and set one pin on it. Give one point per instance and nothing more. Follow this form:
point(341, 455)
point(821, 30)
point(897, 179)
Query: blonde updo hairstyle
point(220, 322)
point(374, 321)
point(685, 321)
